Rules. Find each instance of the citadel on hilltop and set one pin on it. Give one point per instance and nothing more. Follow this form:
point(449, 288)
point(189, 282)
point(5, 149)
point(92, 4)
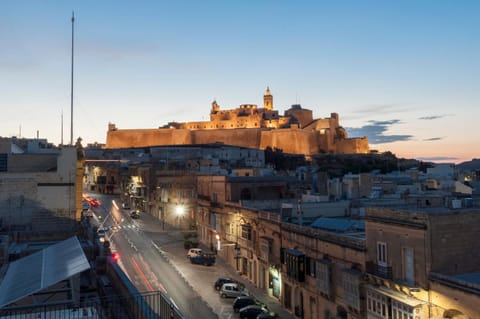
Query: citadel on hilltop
point(296, 132)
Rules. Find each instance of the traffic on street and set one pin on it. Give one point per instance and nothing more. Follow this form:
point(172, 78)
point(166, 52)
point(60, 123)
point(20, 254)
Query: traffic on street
point(154, 259)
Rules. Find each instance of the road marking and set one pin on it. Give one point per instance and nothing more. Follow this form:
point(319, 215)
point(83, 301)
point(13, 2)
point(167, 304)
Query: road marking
point(142, 274)
point(151, 274)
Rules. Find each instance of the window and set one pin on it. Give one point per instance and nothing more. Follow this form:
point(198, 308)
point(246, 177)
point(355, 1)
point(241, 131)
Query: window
point(311, 266)
point(403, 311)
point(295, 261)
point(377, 304)
point(247, 232)
point(3, 162)
point(265, 248)
point(351, 287)
point(382, 253)
point(323, 275)
point(408, 265)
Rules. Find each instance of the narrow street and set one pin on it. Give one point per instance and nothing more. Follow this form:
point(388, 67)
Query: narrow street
point(154, 259)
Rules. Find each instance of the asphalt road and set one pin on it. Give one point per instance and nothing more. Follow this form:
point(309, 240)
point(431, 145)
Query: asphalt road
point(141, 260)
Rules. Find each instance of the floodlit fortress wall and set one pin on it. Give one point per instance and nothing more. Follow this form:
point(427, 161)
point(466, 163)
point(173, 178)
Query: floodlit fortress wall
point(295, 132)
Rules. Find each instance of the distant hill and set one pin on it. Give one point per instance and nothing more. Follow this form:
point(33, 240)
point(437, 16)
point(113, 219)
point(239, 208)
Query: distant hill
point(472, 165)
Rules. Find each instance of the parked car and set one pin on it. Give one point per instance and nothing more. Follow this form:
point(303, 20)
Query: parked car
point(192, 252)
point(135, 214)
point(233, 290)
point(203, 259)
point(88, 213)
point(270, 315)
point(243, 301)
point(222, 280)
point(251, 312)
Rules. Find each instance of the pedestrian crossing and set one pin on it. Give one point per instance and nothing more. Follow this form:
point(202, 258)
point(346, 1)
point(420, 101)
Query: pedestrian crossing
point(119, 227)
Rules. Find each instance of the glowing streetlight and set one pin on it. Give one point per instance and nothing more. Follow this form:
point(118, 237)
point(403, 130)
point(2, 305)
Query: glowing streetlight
point(179, 210)
point(219, 245)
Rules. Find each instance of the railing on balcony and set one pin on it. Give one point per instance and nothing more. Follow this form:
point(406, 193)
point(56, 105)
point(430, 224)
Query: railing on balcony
point(245, 243)
point(155, 305)
point(379, 270)
point(216, 204)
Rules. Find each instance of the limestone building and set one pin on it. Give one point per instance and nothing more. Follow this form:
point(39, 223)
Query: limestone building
point(40, 186)
point(296, 132)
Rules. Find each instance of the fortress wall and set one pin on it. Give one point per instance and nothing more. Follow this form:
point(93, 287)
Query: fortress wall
point(147, 137)
point(352, 146)
point(324, 143)
point(239, 137)
point(293, 141)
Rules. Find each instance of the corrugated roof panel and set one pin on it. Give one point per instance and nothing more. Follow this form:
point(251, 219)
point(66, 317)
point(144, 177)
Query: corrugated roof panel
point(42, 269)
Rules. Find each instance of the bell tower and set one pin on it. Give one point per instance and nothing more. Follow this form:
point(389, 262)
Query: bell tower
point(215, 107)
point(268, 100)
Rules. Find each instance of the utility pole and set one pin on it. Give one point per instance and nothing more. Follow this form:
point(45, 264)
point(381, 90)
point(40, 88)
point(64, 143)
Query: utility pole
point(71, 91)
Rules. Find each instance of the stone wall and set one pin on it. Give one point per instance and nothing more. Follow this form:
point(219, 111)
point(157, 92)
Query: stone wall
point(241, 137)
point(450, 297)
point(455, 241)
point(352, 146)
point(294, 141)
point(147, 137)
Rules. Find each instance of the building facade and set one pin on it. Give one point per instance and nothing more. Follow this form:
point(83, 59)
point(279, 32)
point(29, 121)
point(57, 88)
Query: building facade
point(415, 255)
point(40, 187)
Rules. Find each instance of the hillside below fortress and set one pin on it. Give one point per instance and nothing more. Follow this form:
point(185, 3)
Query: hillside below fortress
point(296, 132)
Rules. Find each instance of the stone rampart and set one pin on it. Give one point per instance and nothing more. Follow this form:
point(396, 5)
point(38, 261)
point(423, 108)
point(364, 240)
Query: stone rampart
point(294, 141)
point(352, 146)
point(147, 137)
point(240, 137)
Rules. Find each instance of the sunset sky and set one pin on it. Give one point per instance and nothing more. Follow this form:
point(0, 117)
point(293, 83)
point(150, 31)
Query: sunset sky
point(404, 73)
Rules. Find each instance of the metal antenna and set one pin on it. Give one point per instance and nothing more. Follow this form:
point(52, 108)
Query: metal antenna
point(71, 92)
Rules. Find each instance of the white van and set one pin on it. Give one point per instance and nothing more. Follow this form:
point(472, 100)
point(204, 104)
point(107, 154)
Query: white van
point(194, 252)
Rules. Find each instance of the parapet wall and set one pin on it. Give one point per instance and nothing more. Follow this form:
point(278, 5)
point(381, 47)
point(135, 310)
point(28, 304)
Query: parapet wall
point(147, 137)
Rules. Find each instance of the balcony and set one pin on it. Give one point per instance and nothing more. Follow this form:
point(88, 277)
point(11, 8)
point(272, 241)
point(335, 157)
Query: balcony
point(379, 270)
point(215, 204)
point(245, 243)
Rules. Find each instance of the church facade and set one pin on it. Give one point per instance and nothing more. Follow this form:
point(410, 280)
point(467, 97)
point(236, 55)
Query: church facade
point(295, 132)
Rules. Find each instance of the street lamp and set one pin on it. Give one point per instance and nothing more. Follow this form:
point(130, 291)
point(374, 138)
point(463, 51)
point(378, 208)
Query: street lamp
point(218, 242)
point(179, 210)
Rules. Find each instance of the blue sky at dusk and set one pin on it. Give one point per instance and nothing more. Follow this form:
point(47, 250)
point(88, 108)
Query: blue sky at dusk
point(403, 73)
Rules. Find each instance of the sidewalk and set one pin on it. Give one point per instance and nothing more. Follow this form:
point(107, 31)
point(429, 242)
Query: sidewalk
point(202, 278)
